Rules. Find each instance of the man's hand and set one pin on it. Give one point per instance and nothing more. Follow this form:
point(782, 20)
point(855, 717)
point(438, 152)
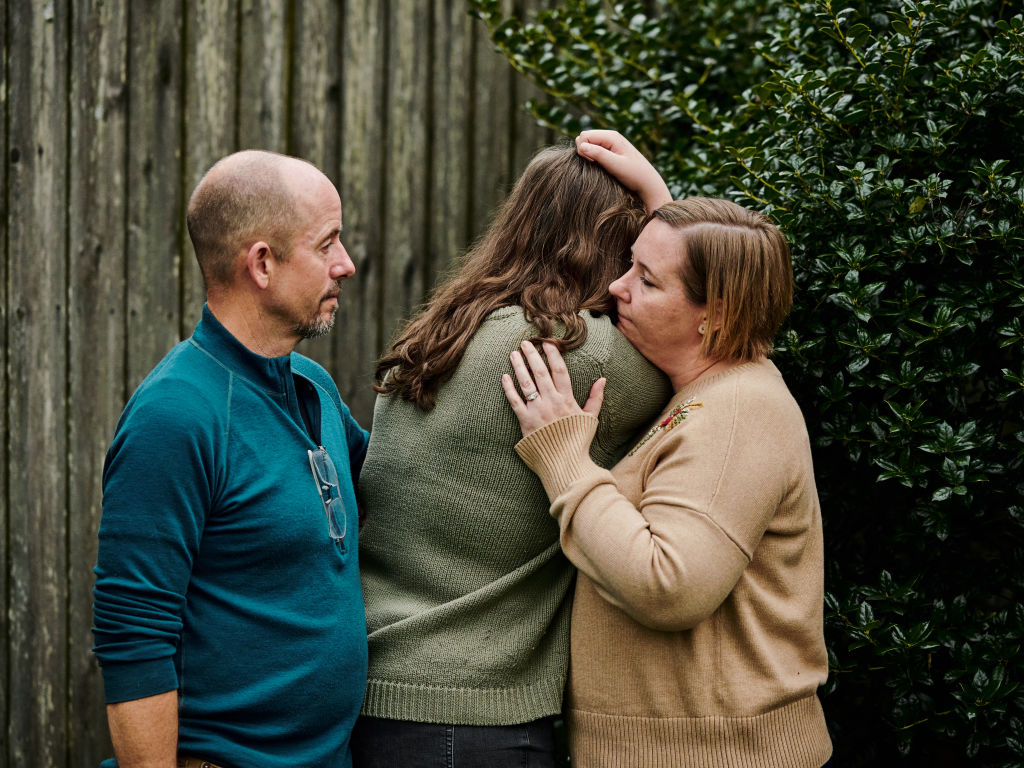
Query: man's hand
point(623, 161)
point(145, 731)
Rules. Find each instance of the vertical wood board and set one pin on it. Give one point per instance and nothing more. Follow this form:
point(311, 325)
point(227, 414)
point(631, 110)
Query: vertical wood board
point(527, 135)
point(450, 183)
point(154, 189)
point(491, 112)
point(96, 350)
point(5, 508)
point(36, 364)
point(210, 117)
point(407, 202)
point(262, 76)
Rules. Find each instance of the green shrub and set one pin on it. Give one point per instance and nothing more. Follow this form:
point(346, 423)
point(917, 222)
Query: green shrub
point(885, 138)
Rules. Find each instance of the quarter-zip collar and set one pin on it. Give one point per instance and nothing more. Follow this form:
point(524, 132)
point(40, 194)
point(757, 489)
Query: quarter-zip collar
point(272, 374)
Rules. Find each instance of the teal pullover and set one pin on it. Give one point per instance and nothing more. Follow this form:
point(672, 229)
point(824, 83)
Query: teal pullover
point(216, 575)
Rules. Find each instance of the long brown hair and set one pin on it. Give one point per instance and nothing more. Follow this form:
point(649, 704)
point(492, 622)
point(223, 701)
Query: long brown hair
point(555, 245)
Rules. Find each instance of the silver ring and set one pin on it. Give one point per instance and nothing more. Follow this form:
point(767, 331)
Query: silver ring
point(532, 396)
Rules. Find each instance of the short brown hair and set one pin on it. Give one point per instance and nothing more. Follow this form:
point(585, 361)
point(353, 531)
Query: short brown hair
point(244, 198)
point(738, 267)
point(555, 245)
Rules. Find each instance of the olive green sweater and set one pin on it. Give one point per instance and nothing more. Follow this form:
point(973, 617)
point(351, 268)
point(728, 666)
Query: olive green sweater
point(467, 591)
point(697, 628)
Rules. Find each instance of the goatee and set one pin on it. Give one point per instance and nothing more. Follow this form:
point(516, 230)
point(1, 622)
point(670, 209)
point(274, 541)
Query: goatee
point(320, 326)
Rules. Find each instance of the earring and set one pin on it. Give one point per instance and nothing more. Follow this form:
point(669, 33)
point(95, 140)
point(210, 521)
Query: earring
point(701, 329)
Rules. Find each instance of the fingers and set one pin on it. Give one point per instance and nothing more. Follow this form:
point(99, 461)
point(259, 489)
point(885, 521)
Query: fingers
point(547, 396)
point(598, 154)
point(541, 377)
point(527, 422)
point(518, 406)
point(596, 399)
point(559, 373)
point(526, 383)
point(603, 138)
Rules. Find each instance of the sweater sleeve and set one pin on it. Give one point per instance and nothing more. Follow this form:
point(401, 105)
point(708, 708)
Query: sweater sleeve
point(673, 557)
point(158, 483)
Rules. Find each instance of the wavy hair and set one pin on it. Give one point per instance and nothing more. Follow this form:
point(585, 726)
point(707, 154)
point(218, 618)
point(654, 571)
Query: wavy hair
point(555, 245)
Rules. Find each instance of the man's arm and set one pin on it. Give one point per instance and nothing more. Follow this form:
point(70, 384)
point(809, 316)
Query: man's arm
point(157, 489)
point(145, 731)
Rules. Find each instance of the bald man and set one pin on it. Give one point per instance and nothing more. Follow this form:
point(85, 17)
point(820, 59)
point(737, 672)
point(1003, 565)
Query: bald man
point(228, 613)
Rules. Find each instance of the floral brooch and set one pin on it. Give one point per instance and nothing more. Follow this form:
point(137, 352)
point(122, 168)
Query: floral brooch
point(679, 413)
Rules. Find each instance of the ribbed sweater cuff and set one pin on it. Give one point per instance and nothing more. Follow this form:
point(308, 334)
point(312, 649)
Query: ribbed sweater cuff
point(463, 706)
point(560, 452)
point(792, 736)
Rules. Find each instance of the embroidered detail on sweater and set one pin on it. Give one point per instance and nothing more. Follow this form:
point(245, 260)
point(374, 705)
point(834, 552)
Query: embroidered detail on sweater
point(678, 414)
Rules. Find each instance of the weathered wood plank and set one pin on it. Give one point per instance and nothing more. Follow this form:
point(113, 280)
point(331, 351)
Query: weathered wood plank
point(5, 508)
point(155, 215)
point(527, 135)
point(449, 220)
point(314, 114)
point(96, 344)
point(36, 367)
point(406, 199)
point(491, 132)
point(262, 85)
point(364, 58)
point(210, 116)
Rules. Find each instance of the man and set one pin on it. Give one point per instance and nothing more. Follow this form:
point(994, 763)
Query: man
point(229, 617)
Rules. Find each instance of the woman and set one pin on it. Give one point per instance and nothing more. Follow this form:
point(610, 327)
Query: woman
point(467, 592)
point(697, 623)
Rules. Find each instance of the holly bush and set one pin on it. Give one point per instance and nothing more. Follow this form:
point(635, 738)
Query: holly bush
point(885, 139)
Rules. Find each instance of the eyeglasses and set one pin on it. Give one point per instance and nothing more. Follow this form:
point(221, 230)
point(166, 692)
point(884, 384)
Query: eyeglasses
point(326, 477)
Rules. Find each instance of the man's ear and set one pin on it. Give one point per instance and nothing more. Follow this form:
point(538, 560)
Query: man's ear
point(259, 263)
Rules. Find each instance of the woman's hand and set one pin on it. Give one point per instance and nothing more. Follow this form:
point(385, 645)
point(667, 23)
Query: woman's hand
point(547, 397)
point(623, 161)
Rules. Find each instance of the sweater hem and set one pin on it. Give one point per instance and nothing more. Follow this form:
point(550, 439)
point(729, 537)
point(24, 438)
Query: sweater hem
point(792, 736)
point(450, 705)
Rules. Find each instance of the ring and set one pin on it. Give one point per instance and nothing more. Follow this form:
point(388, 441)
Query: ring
point(532, 396)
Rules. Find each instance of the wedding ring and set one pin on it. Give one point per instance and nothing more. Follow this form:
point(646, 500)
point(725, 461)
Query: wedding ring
point(532, 396)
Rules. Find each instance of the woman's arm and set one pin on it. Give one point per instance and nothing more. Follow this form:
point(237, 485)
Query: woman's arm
point(623, 161)
point(666, 561)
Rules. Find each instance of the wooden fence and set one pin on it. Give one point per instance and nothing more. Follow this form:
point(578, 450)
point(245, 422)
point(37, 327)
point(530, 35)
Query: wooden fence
point(112, 110)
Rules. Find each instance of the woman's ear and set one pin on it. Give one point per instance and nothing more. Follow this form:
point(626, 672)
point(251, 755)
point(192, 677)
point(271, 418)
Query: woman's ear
point(259, 263)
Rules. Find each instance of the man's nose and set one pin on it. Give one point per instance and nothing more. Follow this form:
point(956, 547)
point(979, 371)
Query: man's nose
point(343, 267)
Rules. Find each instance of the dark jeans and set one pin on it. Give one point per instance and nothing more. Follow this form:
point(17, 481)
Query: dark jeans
point(379, 743)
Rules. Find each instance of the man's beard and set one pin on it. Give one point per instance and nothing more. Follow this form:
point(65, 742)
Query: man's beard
point(319, 326)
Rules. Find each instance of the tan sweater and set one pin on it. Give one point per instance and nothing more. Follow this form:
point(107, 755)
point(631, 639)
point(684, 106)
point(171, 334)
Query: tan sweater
point(697, 634)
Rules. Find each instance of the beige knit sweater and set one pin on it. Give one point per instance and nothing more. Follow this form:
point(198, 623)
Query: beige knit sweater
point(697, 624)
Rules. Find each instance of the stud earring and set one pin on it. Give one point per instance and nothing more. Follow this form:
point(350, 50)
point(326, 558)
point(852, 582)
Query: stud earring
point(701, 329)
